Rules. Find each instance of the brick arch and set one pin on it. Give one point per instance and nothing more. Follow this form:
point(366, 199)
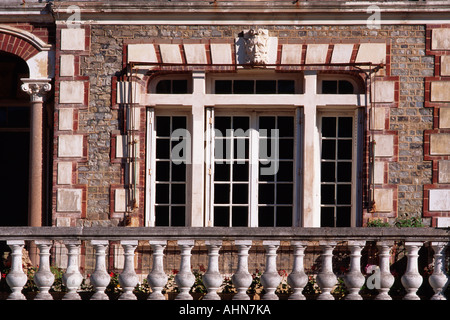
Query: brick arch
point(17, 46)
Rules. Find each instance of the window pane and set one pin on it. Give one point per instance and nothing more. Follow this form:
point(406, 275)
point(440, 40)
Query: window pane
point(266, 171)
point(222, 124)
point(221, 172)
point(329, 127)
point(284, 193)
point(266, 193)
point(266, 86)
point(344, 172)
point(328, 172)
point(284, 217)
point(345, 127)
point(328, 149)
point(345, 149)
point(285, 171)
point(329, 86)
point(266, 217)
point(178, 194)
point(267, 123)
point(286, 150)
point(241, 148)
point(178, 172)
point(327, 194)
point(222, 193)
point(162, 216)
point(344, 194)
point(343, 216)
point(240, 172)
point(243, 86)
point(162, 193)
point(345, 87)
point(241, 123)
point(327, 217)
point(221, 217)
point(285, 127)
point(163, 86)
point(286, 86)
point(179, 86)
point(163, 126)
point(162, 171)
point(223, 87)
point(178, 123)
point(239, 216)
point(162, 148)
point(240, 193)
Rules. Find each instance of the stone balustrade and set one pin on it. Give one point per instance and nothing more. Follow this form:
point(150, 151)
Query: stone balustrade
point(298, 240)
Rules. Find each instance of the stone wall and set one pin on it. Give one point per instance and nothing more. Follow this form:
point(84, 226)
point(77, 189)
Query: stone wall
point(400, 175)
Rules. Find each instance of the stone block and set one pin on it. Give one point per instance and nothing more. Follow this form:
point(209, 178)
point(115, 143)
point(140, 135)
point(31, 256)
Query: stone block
point(384, 200)
point(63, 222)
point(371, 52)
point(65, 173)
point(70, 146)
point(120, 200)
point(440, 39)
point(195, 53)
point(291, 54)
point(65, 119)
point(443, 222)
point(440, 143)
point(384, 145)
point(134, 118)
point(439, 200)
point(128, 92)
point(316, 53)
point(121, 146)
point(68, 200)
point(444, 118)
point(379, 172)
point(342, 53)
point(383, 91)
point(170, 53)
point(221, 53)
point(445, 66)
point(444, 171)
point(440, 91)
point(378, 115)
point(73, 39)
point(67, 65)
point(141, 53)
point(71, 92)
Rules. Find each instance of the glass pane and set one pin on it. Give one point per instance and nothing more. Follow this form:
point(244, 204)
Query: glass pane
point(327, 217)
point(19, 117)
point(284, 217)
point(344, 194)
point(163, 126)
point(285, 171)
point(286, 86)
point(222, 193)
point(266, 86)
point(284, 193)
point(344, 172)
point(239, 216)
point(179, 86)
point(178, 194)
point(343, 217)
point(329, 86)
point(221, 172)
point(241, 123)
point(163, 86)
point(241, 148)
point(222, 124)
point(178, 172)
point(162, 193)
point(328, 149)
point(162, 171)
point(328, 172)
point(266, 217)
point(266, 193)
point(163, 149)
point(243, 86)
point(285, 127)
point(345, 87)
point(286, 150)
point(223, 87)
point(267, 123)
point(345, 149)
point(178, 216)
point(240, 172)
point(240, 193)
point(222, 148)
point(162, 216)
point(266, 171)
point(178, 123)
point(329, 127)
point(221, 217)
point(327, 194)
point(345, 127)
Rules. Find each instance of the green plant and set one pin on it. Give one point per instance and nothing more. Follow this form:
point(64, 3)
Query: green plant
point(377, 223)
point(412, 222)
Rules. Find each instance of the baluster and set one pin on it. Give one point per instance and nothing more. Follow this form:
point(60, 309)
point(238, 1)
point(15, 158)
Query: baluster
point(44, 278)
point(270, 279)
point(326, 279)
point(438, 280)
point(16, 278)
point(128, 279)
point(298, 279)
point(354, 279)
point(100, 278)
point(242, 279)
point(412, 279)
point(386, 279)
point(212, 278)
point(185, 279)
point(72, 278)
point(157, 278)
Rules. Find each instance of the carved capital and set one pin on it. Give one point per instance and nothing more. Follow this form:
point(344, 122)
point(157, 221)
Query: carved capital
point(36, 88)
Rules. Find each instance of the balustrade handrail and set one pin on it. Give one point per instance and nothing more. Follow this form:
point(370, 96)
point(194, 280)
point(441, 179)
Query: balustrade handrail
point(223, 233)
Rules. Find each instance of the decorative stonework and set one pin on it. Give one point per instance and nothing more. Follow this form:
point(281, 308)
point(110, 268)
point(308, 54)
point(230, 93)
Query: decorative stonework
point(36, 88)
point(256, 46)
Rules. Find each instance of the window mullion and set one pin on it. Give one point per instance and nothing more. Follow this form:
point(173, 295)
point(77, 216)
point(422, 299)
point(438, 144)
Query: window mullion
point(254, 166)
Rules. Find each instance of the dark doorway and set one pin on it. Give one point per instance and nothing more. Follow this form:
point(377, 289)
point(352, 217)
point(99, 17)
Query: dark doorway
point(14, 142)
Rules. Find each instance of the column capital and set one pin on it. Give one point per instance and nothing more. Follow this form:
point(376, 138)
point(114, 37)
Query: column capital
point(36, 88)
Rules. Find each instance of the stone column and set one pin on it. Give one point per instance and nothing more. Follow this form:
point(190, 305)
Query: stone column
point(37, 89)
point(185, 279)
point(128, 279)
point(72, 278)
point(242, 279)
point(354, 279)
point(386, 278)
point(326, 279)
point(100, 278)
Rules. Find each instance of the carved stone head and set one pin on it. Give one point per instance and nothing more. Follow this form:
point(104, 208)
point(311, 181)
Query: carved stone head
point(256, 46)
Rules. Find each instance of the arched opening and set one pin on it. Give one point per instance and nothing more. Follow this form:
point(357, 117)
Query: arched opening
point(14, 141)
